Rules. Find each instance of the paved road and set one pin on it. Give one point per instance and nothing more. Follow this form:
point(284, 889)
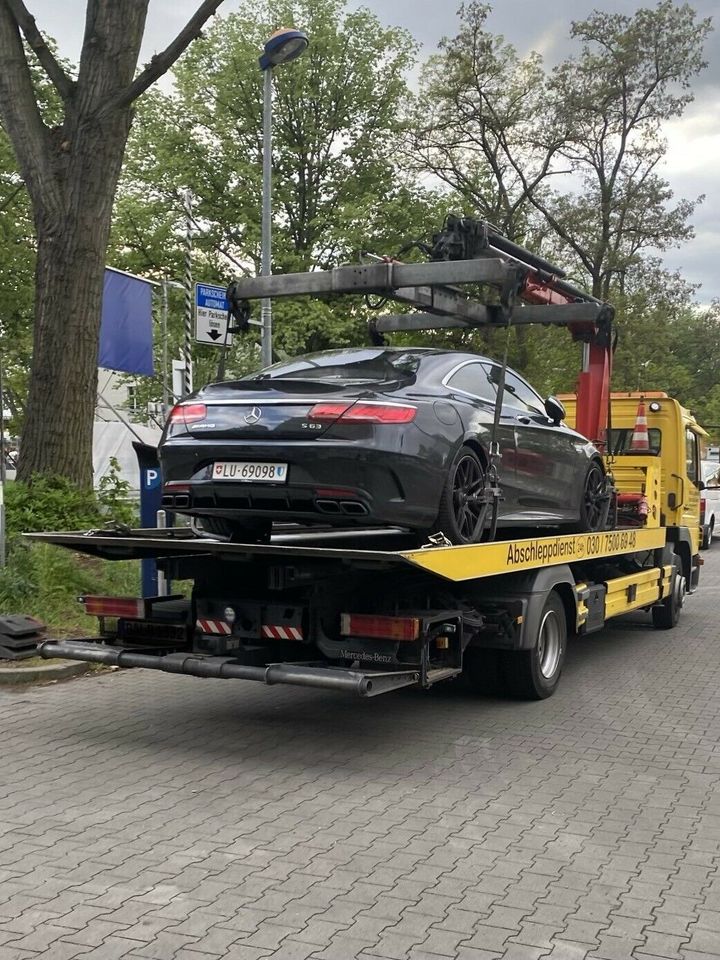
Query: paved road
point(149, 816)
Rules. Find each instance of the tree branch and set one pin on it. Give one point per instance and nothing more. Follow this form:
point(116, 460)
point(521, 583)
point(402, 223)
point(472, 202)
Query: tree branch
point(25, 20)
point(162, 62)
point(21, 116)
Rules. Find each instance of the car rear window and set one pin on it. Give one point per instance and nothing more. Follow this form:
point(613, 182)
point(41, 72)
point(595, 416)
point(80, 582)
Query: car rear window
point(357, 366)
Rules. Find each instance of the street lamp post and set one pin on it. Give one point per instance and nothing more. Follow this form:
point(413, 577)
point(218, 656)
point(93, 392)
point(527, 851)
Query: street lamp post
point(283, 46)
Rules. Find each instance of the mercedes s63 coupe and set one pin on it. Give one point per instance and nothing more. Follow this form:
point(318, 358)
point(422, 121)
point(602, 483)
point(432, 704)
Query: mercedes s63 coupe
point(378, 437)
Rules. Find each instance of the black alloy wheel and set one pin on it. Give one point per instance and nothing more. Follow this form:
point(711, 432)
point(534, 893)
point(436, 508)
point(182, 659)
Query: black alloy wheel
point(595, 500)
point(462, 511)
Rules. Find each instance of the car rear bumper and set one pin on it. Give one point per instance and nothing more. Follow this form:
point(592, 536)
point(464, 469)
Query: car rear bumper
point(336, 483)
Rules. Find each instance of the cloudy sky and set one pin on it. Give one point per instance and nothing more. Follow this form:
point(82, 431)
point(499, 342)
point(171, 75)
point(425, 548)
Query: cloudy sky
point(693, 160)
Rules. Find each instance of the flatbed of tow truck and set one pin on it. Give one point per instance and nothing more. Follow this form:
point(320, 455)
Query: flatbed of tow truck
point(366, 611)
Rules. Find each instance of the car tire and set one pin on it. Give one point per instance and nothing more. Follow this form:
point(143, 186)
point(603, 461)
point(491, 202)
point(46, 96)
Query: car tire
point(458, 518)
point(707, 537)
point(594, 505)
point(665, 616)
point(535, 673)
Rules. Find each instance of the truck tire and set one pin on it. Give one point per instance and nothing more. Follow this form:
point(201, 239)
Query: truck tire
point(535, 673)
point(666, 615)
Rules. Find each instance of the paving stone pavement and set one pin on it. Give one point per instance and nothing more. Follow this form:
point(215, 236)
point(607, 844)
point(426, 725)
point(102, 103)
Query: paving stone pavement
point(151, 816)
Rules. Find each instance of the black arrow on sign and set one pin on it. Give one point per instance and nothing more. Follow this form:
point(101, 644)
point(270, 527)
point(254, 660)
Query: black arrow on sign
point(214, 335)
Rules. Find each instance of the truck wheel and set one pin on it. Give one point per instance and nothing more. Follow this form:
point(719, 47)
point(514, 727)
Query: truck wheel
point(666, 615)
point(534, 674)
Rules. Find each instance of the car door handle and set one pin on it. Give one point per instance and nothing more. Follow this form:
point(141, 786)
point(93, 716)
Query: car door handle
point(523, 419)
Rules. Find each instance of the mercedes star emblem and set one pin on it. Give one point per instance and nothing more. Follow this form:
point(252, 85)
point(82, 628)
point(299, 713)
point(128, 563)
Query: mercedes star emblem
point(253, 415)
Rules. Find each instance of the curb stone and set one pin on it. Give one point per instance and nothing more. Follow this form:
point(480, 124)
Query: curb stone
point(62, 670)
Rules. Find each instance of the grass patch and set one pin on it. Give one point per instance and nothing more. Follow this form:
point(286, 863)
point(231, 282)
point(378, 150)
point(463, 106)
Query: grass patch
point(44, 581)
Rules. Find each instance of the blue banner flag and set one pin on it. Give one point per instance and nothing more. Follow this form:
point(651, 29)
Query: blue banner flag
point(126, 325)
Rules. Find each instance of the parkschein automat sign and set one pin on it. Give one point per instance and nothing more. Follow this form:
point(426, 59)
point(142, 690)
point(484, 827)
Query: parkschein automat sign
point(211, 315)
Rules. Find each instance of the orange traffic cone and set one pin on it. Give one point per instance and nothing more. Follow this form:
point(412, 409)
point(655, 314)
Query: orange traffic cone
point(640, 440)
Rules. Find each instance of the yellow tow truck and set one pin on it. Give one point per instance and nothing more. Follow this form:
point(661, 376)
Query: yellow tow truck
point(368, 611)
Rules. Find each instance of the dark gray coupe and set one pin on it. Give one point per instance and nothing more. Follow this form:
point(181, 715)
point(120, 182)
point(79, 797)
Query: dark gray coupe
point(378, 437)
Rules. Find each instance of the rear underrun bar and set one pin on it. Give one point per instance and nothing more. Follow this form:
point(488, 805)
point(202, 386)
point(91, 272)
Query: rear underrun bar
point(364, 684)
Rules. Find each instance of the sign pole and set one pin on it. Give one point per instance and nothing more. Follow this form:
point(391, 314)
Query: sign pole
point(188, 284)
point(2, 466)
point(164, 316)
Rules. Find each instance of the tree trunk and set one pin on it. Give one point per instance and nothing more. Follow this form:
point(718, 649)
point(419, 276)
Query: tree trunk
point(71, 173)
point(58, 428)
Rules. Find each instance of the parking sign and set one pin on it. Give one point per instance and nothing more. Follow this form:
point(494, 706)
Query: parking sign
point(211, 315)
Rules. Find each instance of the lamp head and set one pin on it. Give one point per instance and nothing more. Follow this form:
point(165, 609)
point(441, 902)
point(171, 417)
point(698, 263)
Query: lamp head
point(284, 45)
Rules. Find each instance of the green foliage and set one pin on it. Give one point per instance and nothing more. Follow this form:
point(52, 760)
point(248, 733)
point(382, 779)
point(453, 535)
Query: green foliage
point(45, 581)
point(113, 496)
point(55, 503)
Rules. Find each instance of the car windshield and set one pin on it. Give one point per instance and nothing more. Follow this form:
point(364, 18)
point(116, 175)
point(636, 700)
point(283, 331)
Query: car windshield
point(364, 366)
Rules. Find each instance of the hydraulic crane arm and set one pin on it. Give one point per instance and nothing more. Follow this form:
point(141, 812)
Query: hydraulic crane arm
point(468, 251)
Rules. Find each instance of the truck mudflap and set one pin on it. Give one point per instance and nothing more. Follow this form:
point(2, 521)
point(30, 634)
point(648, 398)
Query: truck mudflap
point(364, 683)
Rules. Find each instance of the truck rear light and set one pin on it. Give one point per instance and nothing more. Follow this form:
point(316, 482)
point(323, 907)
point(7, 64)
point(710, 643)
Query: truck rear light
point(188, 413)
point(379, 628)
point(363, 412)
point(130, 607)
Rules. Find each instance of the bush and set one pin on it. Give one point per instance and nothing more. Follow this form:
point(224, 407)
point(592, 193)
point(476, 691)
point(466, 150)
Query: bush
point(54, 503)
point(45, 581)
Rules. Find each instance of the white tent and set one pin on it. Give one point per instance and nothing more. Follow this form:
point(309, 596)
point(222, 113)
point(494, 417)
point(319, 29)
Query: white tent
point(114, 438)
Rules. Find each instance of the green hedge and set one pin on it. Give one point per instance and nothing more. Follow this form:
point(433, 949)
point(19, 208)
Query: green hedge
point(45, 581)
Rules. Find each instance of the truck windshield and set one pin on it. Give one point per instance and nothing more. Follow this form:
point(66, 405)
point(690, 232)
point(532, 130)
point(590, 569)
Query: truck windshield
point(620, 440)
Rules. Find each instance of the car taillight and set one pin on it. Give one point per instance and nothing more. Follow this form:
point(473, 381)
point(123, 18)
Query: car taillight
point(188, 413)
point(379, 628)
point(130, 607)
point(702, 508)
point(363, 412)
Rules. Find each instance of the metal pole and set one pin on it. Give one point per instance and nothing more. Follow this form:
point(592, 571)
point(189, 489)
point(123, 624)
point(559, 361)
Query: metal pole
point(2, 466)
point(187, 283)
point(162, 582)
point(164, 321)
point(266, 241)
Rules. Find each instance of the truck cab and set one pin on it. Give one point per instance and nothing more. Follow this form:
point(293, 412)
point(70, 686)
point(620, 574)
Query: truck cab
point(675, 440)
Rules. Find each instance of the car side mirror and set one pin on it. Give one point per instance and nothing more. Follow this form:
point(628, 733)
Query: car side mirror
point(555, 410)
point(701, 485)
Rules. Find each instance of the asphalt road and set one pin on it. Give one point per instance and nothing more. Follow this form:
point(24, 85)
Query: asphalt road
point(151, 816)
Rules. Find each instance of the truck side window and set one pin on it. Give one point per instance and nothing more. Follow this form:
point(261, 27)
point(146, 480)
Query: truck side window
point(691, 455)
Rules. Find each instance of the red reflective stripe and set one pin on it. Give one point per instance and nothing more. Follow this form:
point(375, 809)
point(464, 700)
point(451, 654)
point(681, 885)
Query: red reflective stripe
point(214, 626)
point(281, 633)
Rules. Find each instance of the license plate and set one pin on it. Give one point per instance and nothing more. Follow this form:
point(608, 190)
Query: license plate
point(250, 471)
